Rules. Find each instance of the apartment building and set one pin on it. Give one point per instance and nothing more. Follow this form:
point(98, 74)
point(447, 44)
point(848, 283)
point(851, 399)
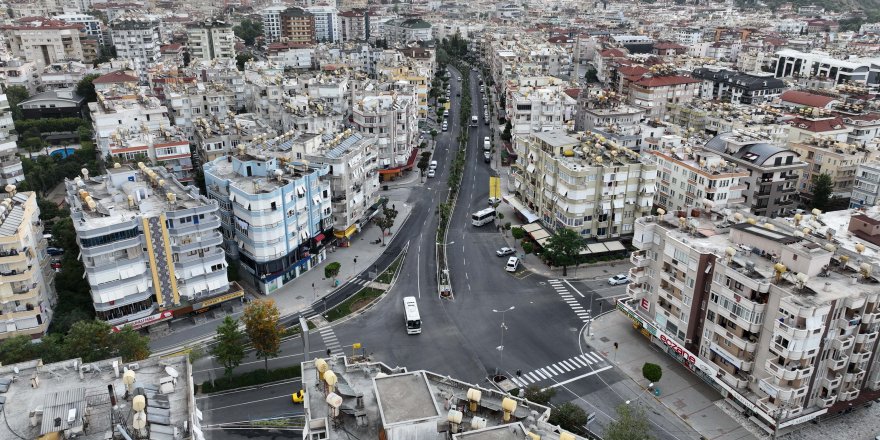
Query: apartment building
point(654, 93)
point(137, 38)
point(167, 147)
point(539, 104)
point(91, 26)
point(275, 213)
point(17, 72)
point(406, 30)
point(836, 159)
point(326, 22)
point(44, 41)
point(354, 25)
point(271, 17)
point(11, 171)
point(27, 287)
point(217, 137)
point(210, 40)
point(737, 88)
point(598, 110)
point(693, 177)
point(125, 109)
point(392, 119)
point(298, 26)
point(714, 118)
point(771, 186)
point(866, 189)
point(151, 246)
point(354, 179)
point(782, 321)
point(188, 102)
point(792, 62)
point(582, 183)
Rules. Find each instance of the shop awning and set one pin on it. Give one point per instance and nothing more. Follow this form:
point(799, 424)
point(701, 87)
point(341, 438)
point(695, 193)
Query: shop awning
point(597, 248)
point(531, 227)
point(346, 233)
point(319, 238)
point(540, 234)
point(614, 246)
point(530, 216)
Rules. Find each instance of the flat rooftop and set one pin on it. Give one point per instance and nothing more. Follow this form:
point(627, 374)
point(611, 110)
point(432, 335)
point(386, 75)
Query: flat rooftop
point(73, 397)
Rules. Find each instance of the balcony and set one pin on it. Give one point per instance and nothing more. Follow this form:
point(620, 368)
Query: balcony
point(636, 291)
point(838, 363)
point(781, 392)
point(843, 343)
point(847, 324)
point(831, 383)
point(17, 276)
point(789, 330)
point(826, 402)
point(638, 275)
point(870, 318)
point(856, 376)
point(791, 355)
point(866, 338)
point(858, 357)
point(792, 372)
point(13, 256)
point(639, 260)
point(847, 395)
point(734, 381)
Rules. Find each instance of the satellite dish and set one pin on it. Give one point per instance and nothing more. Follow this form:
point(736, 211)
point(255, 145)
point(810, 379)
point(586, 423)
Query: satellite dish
point(171, 371)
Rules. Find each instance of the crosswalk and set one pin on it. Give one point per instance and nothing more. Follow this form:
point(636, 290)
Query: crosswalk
point(586, 362)
point(566, 295)
point(360, 281)
point(330, 340)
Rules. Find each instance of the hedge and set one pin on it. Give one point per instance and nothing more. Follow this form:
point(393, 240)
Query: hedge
point(256, 377)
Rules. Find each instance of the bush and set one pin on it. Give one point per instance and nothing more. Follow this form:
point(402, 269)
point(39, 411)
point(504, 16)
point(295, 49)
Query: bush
point(570, 417)
point(332, 269)
point(344, 309)
point(518, 233)
point(535, 394)
point(528, 247)
point(250, 378)
point(652, 372)
point(507, 226)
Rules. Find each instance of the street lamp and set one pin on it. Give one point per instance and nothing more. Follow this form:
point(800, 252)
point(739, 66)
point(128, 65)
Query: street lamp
point(638, 398)
point(503, 328)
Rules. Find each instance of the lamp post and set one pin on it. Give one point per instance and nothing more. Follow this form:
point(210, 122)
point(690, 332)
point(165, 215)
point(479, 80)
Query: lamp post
point(638, 398)
point(503, 328)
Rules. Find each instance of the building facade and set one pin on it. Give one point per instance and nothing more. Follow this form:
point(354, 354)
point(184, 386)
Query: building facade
point(298, 26)
point(44, 41)
point(211, 40)
point(11, 171)
point(866, 190)
point(137, 39)
point(393, 120)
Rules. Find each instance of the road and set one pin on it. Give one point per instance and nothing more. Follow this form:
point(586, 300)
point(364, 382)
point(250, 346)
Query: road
point(226, 414)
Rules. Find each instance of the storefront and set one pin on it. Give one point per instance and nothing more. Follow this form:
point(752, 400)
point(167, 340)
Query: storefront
point(145, 321)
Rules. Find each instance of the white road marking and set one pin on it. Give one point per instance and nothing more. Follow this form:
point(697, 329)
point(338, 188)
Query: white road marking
point(586, 359)
point(580, 377)
point(563, 366)
point(541, 375)
point(549, 373)
point(580, 362)
point(572, 288)
point(596, 355)
point(570, 366)
point(533, 377)
point(561, 371)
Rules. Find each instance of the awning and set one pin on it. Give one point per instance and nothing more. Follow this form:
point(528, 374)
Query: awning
point(531, 227)
point(540, 234)
point(543, 242)
point(530, 216)
point(614, 246)
point(319, 238)
point(530, 168)
point(597, 248)
point(346, 233)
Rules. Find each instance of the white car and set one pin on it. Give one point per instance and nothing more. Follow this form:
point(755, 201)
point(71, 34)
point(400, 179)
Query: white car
point(431, 173)
point(494, 201)
point(505, 251)
point(618, 279)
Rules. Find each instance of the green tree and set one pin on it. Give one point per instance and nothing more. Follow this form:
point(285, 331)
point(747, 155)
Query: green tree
point(591, 76)
point(15, 95)
point(130, 345)
point(241, 59)
point(631, 424)
point(822, 188)
point(332, 269)
point(248, 30)
point(541, 396)
point(86, 88)
point(563, 248)
point(518, 233)
point(229, 350)
point(422, 166)
point(569, 417)
point(386, 221)
point(506, 135)
point(18, 349)
point(91, 340)
point(262, 327)
point(434, 133)
point(652, 372)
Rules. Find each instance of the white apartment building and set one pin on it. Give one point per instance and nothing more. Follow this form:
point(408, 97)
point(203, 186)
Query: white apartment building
point(188, 102)
point(150, 245)
point(866, 189)
point(210, 40)
point(44, 41)
point(393, 120)
point(27, 288)
point(539, 104)
point(271, 16)
point(402, 31)
point(782, 318)
point(354, 179)
point(11, 171)
point(275, 213)
point(326, 23)
point(125, 110)
point(792, 62)
point(578, 182)
point(92, 26)
point(137, 38)
point(688, 36)
point(214, 138)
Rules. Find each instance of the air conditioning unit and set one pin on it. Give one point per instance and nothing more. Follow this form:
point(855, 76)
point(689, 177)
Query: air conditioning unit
point(135, 366)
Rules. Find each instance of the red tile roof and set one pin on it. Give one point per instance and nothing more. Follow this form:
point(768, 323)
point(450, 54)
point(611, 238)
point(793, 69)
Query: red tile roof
point(663, 81)
point(818, 125)
point(805, 98)
point(117, 77)
point(612, 53)
point(170, 48)
point(574, 93)
point(633, 70)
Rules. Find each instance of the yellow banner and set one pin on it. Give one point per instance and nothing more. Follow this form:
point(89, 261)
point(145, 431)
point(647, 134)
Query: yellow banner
point(221, 298)
point(495, 187)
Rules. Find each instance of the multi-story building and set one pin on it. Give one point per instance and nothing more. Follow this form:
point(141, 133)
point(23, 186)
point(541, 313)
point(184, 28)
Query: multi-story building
point(137, 38)
point(836, 159)
point(275, 213)
point(866, 189)
point(27, 288)
point(607, 114)
point(354, 25)
point(151, 246)
point(405, 30)
point(45, 41)
point(654, 93)
point(125, 109)
point(392, 119)
point(326, 23)
point(11, 171)
point(579, 183)
point(737, 88)
point(539, 104)
point(689, 178)
point(297, 26)
point(188, 102)
point(783, 321)
point(271, 16)
point(214, 138)
point(211, 40)
point(792, 62)
point(771, 186)
point(92, 26)
point(354, 179)
point(20, 73)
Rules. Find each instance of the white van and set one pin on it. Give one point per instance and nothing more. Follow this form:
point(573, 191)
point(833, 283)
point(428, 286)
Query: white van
point(474, 121)
point(433, 165)
point(487, 145)
point(512, 264)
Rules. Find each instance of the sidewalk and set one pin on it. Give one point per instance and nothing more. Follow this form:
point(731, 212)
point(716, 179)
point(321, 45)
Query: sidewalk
point(688, 397)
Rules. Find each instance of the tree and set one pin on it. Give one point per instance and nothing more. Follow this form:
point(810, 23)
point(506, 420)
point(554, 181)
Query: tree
point(652, 372)
point(822, 188)
point(229, 350)
point(261, 325)
point(332, 269)
point(386, 221)
point(631, 424)
point(563, 249)
point(86, 89)
point(536, 394)
point(433, 134)
point(248, 31)
point(422, 166)
point(591, 76)
point(15, 95)
point(92, 340)
point(131, 345)
point(569, 417)
point(505, 135)
point(241, 59)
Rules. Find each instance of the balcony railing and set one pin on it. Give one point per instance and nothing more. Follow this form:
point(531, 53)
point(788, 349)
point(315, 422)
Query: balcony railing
point(639, 260)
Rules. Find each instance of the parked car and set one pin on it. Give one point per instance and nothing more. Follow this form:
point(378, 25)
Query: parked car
point(487, 157)
point(494, 201)
point(432, 173)
point(618, 279)
point(505, 251)
point(512, 264)
point(54, 251)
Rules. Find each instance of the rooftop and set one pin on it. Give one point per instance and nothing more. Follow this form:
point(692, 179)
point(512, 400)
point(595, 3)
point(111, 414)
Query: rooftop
point(12, 213)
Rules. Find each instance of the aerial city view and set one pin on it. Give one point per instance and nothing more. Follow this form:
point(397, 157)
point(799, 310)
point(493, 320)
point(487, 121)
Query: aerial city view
point(440, 220)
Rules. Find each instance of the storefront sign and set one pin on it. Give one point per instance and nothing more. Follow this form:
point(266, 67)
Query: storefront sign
point(679, 350)
point(143, 322)
point(802, 419)
point(644, 304)
point(218, 299)
point(727, 357)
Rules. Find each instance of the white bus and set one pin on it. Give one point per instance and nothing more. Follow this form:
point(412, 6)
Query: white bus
point(411, 310)
point(480, 218)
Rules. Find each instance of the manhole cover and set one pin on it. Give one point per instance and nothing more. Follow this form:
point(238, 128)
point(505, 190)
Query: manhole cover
point(604, 339)
point(542, 283)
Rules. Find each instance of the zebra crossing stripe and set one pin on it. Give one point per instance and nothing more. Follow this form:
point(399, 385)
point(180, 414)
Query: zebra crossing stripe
point(580, 362)
point(549, 373)
point(539, 374)
point(562, 366)
point(555, 367)
point(597, 356)
point(532, 377)
point(586, 359)
point(555, 282)
point(570, 367)
point(516, 382)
